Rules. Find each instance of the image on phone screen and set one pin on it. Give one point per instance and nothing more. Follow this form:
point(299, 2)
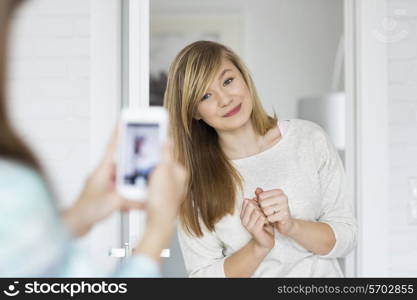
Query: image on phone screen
point(141, 153)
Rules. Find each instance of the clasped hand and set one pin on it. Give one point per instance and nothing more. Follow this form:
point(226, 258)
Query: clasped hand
point(264, 212)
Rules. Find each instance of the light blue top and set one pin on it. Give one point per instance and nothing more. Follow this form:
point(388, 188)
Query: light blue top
point(33, 239)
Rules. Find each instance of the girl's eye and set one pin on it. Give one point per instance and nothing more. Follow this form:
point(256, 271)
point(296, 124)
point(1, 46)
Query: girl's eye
point(228, 81)
point(205, 97)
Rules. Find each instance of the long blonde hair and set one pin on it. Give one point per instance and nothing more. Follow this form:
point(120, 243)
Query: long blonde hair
point(213, 179)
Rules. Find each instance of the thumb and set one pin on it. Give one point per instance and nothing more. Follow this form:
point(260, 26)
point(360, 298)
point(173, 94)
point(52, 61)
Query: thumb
point(127, 205)
point(108, 156)
point(167, 151)
point(258, 191)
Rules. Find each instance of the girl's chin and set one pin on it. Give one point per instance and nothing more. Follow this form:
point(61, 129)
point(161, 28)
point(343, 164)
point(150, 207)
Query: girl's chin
point(235, 124)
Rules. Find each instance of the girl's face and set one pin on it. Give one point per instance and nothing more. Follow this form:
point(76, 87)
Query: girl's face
point(227, 104)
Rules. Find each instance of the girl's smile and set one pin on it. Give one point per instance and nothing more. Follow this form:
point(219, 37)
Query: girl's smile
point(233, 111)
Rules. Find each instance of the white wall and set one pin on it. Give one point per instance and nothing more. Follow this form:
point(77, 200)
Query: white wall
point(65, 113)
point(289, 45)
point(290, 48)
point(49, 88)
point(402, 71)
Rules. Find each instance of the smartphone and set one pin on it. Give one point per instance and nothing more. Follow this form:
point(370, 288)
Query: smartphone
point(142, 133)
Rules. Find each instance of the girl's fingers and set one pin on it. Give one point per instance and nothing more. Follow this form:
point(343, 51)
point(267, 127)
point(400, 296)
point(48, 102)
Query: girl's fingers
point(248, 202)
point(260, 223)
point(278, 217)
point(270, 210)
point(269, 228)
point(247, 214)
point(270, 193)
point(244, 205)
point(276, 200)
point(254, 218)
point(258, 191)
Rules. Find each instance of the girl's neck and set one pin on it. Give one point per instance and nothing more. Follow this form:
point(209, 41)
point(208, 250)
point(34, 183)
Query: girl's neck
point(242, 142)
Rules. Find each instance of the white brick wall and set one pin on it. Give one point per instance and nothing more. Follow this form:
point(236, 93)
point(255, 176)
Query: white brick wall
point(403, 135)
point(49, 88)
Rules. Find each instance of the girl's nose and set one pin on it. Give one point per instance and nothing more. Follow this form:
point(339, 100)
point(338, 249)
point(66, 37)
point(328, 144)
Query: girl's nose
point(224, 99)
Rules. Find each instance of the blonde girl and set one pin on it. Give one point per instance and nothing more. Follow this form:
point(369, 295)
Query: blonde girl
point(266, 197)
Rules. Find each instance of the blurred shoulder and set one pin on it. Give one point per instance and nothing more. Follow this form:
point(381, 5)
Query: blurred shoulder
point(12, 171)
point(20, 183)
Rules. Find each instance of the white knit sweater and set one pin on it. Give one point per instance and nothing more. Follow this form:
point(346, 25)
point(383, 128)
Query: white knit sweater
point(306, 166)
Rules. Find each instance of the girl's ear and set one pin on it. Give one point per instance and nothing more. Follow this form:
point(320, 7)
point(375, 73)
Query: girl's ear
point(197, 116)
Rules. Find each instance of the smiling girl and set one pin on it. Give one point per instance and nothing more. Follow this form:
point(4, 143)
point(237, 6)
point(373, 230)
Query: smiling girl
point(266, 197)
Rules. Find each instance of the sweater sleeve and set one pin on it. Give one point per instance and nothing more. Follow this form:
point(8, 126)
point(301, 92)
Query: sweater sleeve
point(203, 256)
point(336, 210)
point(35, 243)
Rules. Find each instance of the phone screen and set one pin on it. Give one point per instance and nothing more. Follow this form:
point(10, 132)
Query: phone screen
point(140, 153)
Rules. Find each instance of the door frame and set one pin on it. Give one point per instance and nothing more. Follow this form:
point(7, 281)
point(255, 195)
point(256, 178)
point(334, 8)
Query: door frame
point(105, 95)
point(367, 160)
